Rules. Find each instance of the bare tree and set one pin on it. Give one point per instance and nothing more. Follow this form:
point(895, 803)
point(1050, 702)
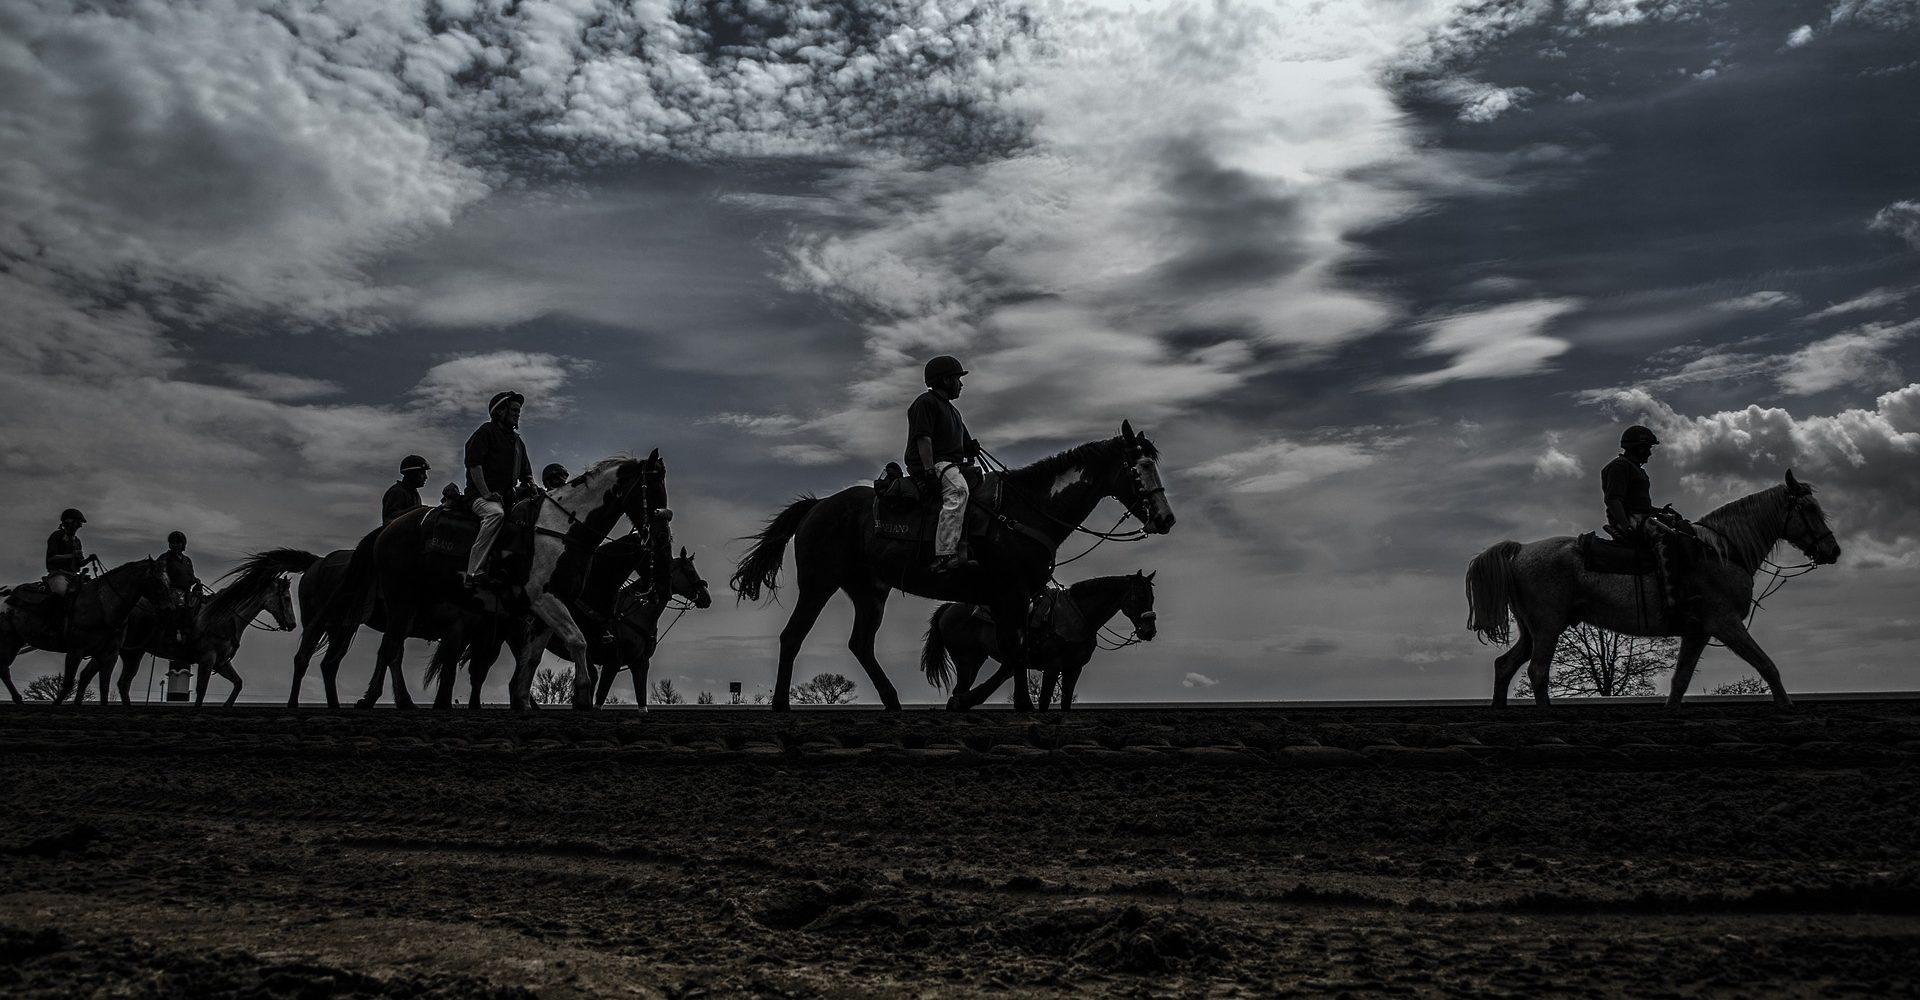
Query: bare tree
point(1745, 685)
point(664, 694)
point(706, 698)
point(46, 687)
point(825, 689)
point(1592, 662)
point(1034, 681)
point(553, 686)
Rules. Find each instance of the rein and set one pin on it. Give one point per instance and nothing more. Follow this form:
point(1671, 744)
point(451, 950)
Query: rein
point(992, 461)
point(1778, 575)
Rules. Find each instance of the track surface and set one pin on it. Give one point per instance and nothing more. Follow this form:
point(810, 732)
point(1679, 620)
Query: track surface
point(1585, 850)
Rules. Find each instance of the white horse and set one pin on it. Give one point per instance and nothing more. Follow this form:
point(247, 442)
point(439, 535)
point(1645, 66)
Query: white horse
point(1548, 589)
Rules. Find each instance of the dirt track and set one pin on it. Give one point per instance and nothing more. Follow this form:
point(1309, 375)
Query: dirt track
point(1606, 850)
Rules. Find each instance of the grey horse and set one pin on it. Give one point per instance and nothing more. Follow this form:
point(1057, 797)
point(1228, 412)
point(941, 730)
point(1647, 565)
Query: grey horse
point(1548, 590)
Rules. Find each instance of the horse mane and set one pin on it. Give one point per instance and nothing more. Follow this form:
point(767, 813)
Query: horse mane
point(1078, 456)
point(253, 577)
point(1738, 526)
point(117, 570)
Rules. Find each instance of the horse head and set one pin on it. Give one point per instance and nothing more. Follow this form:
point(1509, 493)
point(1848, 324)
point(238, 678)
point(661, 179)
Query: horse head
point(1806, 524)
point(1141, 490)
point(686, 581)
point(1137, 605)
point(280, 604)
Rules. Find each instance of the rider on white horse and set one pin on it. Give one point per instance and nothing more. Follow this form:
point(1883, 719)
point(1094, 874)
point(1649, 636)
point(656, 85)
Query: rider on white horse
point(496, 460)
point(1632, 518)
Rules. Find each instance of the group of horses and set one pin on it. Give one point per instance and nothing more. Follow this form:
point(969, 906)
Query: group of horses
point(392, 582)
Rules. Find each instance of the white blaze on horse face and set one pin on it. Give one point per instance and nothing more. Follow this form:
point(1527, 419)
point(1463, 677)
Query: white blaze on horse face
point(1067, 480)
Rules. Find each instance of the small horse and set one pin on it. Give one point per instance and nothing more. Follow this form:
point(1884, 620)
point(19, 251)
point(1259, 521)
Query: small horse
point(955, 633)
point(260, 585)
point(836, 549)
point(568, 523)
point(100, 611)
point(1549, 590)
point(629, 606)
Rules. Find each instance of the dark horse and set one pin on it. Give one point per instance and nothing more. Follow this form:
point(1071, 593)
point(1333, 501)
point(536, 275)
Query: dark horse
point(835, 548)
point(260, 584)
point(632, 606)
point(956, 633)
point(1548, 590)
point(568, 522)
point(100, 612)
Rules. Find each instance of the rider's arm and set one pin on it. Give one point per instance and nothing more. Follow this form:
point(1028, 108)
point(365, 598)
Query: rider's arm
point(1616, 512)
point(924, 445)
point(478, 476)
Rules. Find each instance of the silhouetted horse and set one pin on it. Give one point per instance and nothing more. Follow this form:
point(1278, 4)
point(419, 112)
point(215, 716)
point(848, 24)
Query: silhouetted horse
point(568, 523)
point(631, 607)
point(100, 611)
point(260, 584)
point(836, 548)
point(1550, 590)
point(956, 633)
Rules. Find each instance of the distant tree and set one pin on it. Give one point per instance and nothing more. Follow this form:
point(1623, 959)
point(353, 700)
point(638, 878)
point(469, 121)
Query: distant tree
point(759, 697)
point(1592, 662)
point(1034, 678)
point(706, 698)
point(825, 689)
point(46, 687)
point(1745, 685)
point(553, 686)
point(664, 694)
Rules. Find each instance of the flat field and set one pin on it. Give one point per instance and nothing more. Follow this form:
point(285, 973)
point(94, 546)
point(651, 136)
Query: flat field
point(1596, 850)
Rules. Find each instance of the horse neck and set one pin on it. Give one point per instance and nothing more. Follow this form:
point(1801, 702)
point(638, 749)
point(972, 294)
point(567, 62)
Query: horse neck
point(1748, 528)
point(1100, 598)
point(242, 613)
point(599, 483)
point(116, 605)
point(1063, 493)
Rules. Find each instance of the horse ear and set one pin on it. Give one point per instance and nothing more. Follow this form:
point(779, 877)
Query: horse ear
point(1793, 485)
point(683, 552)
point(1126, 429)
point(654, 456)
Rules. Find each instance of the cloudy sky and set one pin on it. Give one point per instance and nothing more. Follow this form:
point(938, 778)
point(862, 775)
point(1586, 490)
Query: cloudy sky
point(1383, 278)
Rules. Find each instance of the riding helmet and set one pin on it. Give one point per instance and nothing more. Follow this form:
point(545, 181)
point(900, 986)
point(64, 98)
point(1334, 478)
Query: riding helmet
point(502, 398)
point(412, 462)
point(1637, 435)
point(553, 467)
point(943, 366)
point(73, 514)
point(176, 536)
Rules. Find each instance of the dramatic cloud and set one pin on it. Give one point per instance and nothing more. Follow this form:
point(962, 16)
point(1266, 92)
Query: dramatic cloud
point(1554, 463)
point(1857, 357)
point(1283, 465)
point(1902, 219)
point(1499, 342)
point(1878, 298)
point(1758, 301)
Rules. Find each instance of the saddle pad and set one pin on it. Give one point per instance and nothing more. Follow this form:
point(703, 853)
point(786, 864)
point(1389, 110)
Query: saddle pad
point(1600, 555)
point(29, 595)
point(450, 532)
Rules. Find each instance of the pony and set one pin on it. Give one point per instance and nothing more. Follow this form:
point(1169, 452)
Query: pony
point(259, 584)
point(1548, 589)
point(101, 608)
point(957, 639)
point(568, 522)
point(836, 549)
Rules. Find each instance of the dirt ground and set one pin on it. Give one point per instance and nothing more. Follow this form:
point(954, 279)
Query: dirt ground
point(1585, 850)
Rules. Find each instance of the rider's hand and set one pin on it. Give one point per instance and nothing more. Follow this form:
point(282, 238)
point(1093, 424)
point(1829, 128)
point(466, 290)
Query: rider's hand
point(491, 498)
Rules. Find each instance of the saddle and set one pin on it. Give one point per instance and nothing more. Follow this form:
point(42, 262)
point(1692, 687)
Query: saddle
point(901, 509)
point(29, 596)
point(1604, 555)
point(1052, 615)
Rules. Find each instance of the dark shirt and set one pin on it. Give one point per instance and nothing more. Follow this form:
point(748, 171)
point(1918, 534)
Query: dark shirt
point(1625, 481)
point(934, 416)
point(501, 455)
point(400, 498)
point(179, 569)
point(63, 552)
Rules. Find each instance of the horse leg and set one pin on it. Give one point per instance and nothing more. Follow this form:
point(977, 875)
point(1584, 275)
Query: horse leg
point(1540, 660)
point(85, 678)
point(376, 686)
point(393, 654)
point(1509, 663)
point(484, 657)
point(1737, 638)
point(869, 607)
point(8, 650)
point(205, 674)
point(330, 671)
point(1690, 648)
point(1069, 679)
point(1048, 678)
point(603, 685)
point(526, 660)
point(225, 668)
point(813, 598)
point(129, 665)
point(553, 611)
point(70, 665)
point(309, 638)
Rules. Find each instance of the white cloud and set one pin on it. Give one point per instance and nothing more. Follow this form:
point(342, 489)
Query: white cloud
point(1758, 301)
point(1800, 36)
point(1856, 357)
point(1553, 463)
point(1195, 680)
point(1902, 219)
point(1503, 341)
point(1276, 466)
point(463, 385)
point(1876, 299)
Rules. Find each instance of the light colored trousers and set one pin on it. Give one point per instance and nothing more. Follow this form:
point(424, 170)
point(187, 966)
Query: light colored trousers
point(953, 508)
point(490, 514)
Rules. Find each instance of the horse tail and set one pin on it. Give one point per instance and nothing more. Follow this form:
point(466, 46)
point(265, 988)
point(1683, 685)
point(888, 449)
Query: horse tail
point(933, 655)
point(352, 598)
point(1490, 592)
point(761, 565)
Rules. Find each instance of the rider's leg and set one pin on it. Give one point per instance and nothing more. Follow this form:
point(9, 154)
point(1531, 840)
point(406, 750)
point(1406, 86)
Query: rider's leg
point(953, 513)
point(490, 515)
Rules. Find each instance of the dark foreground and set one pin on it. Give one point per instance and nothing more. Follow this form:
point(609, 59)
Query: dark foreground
point(1604, 851)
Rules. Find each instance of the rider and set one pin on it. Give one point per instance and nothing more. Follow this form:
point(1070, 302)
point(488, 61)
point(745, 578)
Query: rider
point(1632, 518)
point(937, 446)
point(496, 460)
point(404, 495)
point(554, 476)
point(65, 557)
point(182, 584)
